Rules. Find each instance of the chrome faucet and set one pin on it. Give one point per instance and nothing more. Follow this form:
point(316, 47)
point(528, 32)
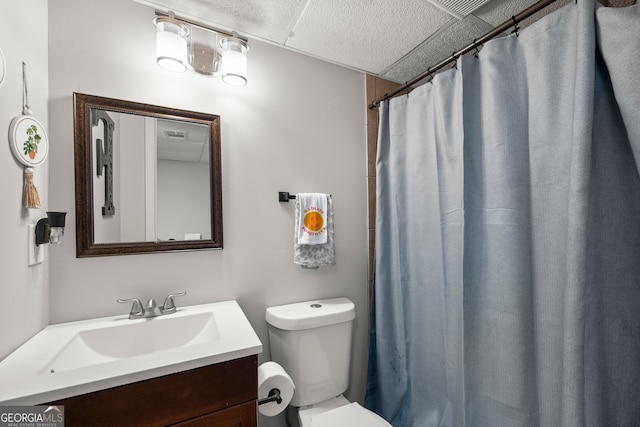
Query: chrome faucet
point(151, 309)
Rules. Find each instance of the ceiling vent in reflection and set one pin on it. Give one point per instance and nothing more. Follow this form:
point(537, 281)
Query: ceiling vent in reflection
point(175, 134)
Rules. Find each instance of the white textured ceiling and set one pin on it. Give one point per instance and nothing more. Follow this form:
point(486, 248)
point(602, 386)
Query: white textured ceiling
point(392, 39)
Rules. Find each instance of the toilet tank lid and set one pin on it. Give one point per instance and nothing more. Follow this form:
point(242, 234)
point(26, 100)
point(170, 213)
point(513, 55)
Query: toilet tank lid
point(311, 314)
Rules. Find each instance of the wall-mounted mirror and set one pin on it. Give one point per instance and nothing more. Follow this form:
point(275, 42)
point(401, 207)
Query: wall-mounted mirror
point(148, 178)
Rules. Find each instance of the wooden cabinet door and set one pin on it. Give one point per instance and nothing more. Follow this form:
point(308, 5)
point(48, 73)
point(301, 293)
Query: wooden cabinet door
point(170, 399)
point(244, 415)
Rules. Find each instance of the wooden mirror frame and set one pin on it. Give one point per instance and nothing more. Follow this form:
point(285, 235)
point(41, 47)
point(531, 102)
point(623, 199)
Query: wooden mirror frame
point(85, 245)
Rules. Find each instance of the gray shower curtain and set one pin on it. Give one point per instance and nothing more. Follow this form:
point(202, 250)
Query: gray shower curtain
point(507, 276)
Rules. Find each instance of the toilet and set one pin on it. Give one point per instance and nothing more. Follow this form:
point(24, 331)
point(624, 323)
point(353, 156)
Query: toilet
point(312, 342)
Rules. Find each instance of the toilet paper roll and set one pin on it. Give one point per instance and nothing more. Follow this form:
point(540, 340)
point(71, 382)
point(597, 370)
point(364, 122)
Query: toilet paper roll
point(272, 376)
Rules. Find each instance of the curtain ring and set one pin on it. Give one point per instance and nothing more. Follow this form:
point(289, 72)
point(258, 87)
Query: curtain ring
point(475, 45)
point(454, 58)
point(430, 75)
point(406, 88)
point(515, 26)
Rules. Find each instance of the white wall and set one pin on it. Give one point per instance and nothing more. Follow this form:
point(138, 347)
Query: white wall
point(184, 199)
point(24, 290)
point(299, 125)
point(131, 208)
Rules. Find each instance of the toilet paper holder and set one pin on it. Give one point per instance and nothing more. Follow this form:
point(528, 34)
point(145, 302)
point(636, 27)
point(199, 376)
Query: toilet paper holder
point(273, 396)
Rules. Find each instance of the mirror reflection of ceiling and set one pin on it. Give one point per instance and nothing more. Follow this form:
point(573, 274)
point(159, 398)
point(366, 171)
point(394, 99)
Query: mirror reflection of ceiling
point(182, 141)
point(393, 39)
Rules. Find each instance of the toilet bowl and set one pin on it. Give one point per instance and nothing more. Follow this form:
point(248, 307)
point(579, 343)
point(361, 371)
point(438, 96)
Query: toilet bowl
point(312, 341)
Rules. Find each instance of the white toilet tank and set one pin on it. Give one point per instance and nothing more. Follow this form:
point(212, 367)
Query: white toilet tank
point(312, 342)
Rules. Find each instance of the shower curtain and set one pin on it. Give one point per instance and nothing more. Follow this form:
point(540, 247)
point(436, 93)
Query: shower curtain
point(507, 272)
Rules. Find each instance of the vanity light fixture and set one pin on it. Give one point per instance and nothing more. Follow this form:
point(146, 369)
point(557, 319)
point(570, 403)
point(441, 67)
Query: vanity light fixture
point(234, 60)
point(171, 42)
point(50, 229)
point(183, 45)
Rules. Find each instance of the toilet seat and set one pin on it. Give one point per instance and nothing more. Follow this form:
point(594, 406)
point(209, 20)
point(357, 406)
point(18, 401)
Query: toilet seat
point(338, 412)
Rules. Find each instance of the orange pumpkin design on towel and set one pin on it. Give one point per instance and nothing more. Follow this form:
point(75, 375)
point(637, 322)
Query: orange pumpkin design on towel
point(313, 221)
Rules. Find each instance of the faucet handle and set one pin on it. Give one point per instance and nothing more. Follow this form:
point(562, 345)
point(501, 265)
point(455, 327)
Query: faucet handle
point(169, 306)
point(136, 308)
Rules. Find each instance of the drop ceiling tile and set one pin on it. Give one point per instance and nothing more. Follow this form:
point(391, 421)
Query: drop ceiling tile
point(184, 147)
point(439, 47)
point(365, 34)
point(183, 151)
point(498, 11)
point(459, 8)
point(267, 20)
point(178, 156)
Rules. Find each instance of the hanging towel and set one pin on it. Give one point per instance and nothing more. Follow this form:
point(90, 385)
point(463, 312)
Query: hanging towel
point(311, 214)
point(317, 254)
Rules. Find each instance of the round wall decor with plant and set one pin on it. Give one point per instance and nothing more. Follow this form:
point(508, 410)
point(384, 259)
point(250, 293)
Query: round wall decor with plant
point(28, 140)
point(29, 145)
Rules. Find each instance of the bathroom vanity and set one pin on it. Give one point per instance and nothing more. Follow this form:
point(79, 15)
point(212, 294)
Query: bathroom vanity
point(194, 367)
point(220, 395)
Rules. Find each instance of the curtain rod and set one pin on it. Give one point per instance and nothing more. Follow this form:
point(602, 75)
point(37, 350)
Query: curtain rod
point(513, 22)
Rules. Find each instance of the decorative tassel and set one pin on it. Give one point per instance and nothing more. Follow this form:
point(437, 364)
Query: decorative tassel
point(30, 197)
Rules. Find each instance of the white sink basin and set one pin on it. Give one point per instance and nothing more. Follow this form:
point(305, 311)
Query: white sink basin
point(107, 341)
point(80, 357)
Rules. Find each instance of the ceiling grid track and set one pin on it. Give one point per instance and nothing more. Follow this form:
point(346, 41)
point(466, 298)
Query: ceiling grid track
point(295, 19)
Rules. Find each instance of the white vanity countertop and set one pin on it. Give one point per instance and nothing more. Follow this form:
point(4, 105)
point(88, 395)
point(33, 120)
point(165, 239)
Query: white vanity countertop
point(62, 361)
